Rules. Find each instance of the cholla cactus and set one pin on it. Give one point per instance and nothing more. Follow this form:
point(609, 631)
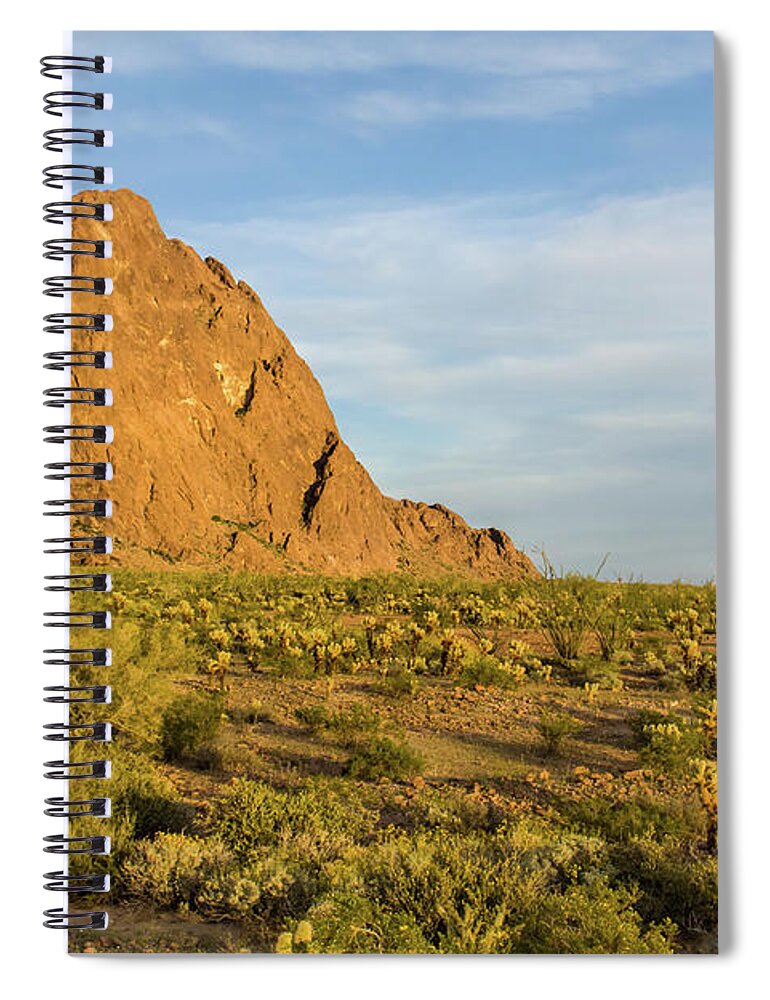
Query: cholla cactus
point(432, 621)
point(654, 663)
point(395, 631)
point(316, 642)
point(303, 935)
point(219, 667)
point(708, 721)
point(705, 774)
point(369, 624)
point(697, 667)
point(516, 671)
point(204, 607)
point(285, 635)
point(473, 610)
point(415, 634)
point(384, 646)
point(663, 731)
point(284, 943)
point(524, 613)
point(452, 652)
point(185, 611)
point(220, 638)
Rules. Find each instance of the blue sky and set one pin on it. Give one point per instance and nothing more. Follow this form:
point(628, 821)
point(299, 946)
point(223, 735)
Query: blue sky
point(495, 250)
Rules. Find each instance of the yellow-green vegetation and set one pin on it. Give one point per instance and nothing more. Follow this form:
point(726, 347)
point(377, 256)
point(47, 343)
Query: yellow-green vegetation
point(388, 765)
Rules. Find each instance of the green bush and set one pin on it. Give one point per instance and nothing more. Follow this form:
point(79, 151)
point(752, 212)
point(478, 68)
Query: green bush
point(354, 722)
point(187, 723)
point(170, 870)
point(593, 918)
point(383, 757)
point(487, 672)
point(554, 728)
point(443, 893)
point(667, 742)
point(565, 608)
point(637, 817)
point(674, 880)
point(594, 670)
point(613, 622)
point(401, 683)
point(267, 887)
point(251, 815)
point(314, 717)
point(145, 798)
point(251, 714)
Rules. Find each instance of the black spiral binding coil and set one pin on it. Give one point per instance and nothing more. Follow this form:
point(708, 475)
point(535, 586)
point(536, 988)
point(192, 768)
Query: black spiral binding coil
point(67, 249)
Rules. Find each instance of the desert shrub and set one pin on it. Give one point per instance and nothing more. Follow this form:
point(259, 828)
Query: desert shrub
point(209, 757)
point(612, 623)
point(591, 918)
point(349, 723)
point(641, 816)
point(314, 717)
point(384, 757)
point(268, 887)
point(487, 672)
point(554, 728)
point(170, 870)
point(565, 609)
point(412, 894)
point(251, 714)
point(594, 670)
point(251, 815)
point(145, 799)
point(352, 723)
point(667, 742)
point(437, 892)
point(400, 683)
point(674, 880)
point(206, 877)
point(452, 810)
point(187, 723)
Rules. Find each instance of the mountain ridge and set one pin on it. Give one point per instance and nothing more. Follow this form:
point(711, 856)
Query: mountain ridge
point(226, 451)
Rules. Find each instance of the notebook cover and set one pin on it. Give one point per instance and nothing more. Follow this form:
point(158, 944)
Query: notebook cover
point(474, 270)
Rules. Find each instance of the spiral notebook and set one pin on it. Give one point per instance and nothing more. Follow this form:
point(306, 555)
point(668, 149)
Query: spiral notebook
point(296, 278)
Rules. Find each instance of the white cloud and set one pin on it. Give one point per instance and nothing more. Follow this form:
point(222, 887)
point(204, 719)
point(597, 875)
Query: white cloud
point(169, 123)
point(562, 358)
point(479, 74)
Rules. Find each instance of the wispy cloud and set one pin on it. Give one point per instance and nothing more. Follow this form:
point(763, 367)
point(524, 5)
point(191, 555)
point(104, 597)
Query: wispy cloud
point(170, 124)
point(554, 355)
point(536, 355)
point(477, 75)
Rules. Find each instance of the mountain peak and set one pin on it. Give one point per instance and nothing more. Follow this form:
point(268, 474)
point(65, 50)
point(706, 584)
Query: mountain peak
point(226, 451)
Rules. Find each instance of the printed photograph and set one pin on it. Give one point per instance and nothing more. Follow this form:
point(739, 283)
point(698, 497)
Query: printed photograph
point(413, 643)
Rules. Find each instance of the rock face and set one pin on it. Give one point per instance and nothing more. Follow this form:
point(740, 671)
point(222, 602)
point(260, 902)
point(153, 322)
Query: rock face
point(225, 450)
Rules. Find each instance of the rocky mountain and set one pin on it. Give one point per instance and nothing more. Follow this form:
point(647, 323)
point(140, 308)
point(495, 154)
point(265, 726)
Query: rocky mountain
point(225, 450)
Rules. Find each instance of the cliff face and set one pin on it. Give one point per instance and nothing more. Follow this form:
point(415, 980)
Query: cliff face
point(225, 450)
